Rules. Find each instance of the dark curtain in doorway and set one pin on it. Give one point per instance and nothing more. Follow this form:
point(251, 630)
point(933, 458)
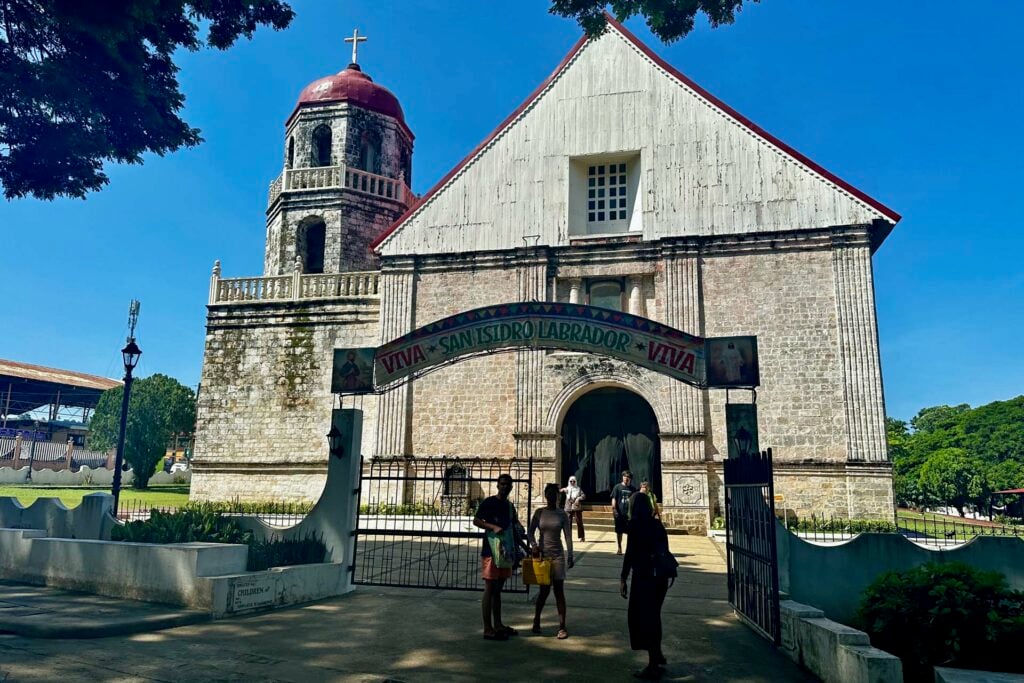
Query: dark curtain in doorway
point(605, 432)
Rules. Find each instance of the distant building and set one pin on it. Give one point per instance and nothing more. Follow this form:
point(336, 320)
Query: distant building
point(47, 406)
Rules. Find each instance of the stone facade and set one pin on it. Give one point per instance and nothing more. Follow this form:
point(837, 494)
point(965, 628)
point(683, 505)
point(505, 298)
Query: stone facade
point(265, 399)
point(786, 260)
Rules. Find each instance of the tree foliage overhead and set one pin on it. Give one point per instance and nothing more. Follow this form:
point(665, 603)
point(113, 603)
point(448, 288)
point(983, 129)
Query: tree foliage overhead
point(669, 20)
point(159, 406)
point(957, 455)
point(83, 82)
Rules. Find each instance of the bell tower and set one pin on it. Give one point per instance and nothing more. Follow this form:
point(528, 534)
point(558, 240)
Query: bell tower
point(346, 177)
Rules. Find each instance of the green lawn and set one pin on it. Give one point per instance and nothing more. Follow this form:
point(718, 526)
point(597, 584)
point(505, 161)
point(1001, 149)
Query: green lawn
point(903, 513)
point(953, 528)
point(158, 496)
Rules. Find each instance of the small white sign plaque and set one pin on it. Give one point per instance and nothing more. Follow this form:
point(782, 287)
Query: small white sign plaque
point(252, 593)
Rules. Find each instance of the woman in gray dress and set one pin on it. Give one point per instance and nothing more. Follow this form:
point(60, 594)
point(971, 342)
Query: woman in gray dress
point(553, 525)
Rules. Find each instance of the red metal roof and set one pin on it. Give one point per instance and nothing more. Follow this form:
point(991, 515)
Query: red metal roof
point(70, 378)
point(1010, 491)
point(353, 86)
point(711, 99)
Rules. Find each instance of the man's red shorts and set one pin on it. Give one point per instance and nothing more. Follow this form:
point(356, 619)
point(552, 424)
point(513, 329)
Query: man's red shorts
point(490, 572)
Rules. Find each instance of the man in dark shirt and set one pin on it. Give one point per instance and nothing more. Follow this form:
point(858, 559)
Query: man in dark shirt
point(620, 506)
point(494, 515)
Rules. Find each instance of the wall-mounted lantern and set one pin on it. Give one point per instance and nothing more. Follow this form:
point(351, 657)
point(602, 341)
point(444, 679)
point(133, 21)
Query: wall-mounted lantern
point(336, 442)
point(744, 441)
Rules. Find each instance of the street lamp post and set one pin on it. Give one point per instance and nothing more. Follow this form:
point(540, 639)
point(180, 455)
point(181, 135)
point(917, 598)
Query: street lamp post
point(130, 353)
point(32, 451)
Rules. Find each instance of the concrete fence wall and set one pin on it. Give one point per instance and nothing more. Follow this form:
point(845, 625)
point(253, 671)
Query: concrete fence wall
point(833, 578)
point(831, 651)
point(92, 519)
point(85, 476)
point(43, 544)
point(137, 571)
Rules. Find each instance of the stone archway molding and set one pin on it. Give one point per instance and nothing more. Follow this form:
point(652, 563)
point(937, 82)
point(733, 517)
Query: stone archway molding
point(584, 384)
point(541, 325)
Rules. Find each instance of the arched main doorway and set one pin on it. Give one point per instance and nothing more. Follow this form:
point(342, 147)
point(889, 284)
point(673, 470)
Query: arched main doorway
point(605, 431)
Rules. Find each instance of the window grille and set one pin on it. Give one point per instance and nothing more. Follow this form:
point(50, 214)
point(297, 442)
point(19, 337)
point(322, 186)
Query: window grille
point(606, 193)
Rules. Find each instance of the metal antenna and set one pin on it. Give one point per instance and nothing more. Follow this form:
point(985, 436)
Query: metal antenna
point(133, 318)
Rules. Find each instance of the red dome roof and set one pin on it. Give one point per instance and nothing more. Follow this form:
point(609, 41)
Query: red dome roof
point(352, 85)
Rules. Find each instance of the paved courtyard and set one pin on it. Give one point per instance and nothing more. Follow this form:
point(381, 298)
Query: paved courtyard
point(381, 634)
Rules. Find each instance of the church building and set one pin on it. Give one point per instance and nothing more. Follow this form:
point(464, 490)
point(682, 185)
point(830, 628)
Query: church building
point(619, 183)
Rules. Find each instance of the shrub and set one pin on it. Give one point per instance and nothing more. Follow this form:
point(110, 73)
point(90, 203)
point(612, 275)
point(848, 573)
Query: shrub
point(945, 615)
point(253, 507)
point(279, 553)
point(840, 525)
point(423, 509)
point(196, 523)
point(1007, 520)
point(202, 522)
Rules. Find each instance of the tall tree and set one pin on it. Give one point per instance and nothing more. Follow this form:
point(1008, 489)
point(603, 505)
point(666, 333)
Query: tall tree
point(906, 463)
point(670, 20)
point(995, 431)
point(952, 477)
point(83, 82)
point(159, 406)
point(939, 418)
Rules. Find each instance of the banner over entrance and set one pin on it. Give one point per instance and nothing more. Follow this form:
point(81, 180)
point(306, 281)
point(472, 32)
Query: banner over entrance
point(569, 327)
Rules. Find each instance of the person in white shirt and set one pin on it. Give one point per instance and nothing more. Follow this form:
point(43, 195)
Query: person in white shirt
point(574, 498)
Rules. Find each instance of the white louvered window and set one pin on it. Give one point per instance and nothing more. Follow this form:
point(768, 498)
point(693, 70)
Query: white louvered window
point(607, 190)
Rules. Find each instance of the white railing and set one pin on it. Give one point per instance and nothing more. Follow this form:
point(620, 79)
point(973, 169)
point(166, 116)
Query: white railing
point(338, 285)
point(292, 287)
point(338, 177)
point(319, 178)
point(253, 289)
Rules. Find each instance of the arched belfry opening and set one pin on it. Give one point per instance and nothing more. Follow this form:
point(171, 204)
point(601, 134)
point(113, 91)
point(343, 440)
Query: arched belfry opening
point(320, 148)
point(604, 432)
point(369, 152)
point(310, 244)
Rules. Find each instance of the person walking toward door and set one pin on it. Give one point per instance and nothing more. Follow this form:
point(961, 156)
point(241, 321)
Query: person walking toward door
point(620, 507)
point(574, 498)
point(647, 538)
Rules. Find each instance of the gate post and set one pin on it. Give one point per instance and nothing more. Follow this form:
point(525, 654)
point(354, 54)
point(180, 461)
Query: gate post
point(333, 519)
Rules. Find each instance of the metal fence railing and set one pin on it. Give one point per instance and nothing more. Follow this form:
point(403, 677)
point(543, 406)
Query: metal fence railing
point(928, 530)
point(281, 514)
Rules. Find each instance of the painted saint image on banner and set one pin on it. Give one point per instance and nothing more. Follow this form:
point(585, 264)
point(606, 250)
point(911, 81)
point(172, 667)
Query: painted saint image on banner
point(353, 371)
point(732, 362)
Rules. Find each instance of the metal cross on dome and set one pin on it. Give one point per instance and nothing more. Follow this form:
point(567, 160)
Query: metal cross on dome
point(355, 40)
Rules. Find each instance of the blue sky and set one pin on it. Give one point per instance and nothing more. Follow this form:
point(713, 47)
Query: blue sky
point(917, 105)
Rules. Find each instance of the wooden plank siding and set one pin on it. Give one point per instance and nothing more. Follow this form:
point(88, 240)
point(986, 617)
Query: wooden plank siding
point(703, 172)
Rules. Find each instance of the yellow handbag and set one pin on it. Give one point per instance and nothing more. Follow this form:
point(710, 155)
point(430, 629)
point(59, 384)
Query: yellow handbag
point(537, 571)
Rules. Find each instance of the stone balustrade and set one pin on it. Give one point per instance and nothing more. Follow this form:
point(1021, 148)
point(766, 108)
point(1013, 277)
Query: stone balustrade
point(338, 177)
point(274, 191)
point(292, 287)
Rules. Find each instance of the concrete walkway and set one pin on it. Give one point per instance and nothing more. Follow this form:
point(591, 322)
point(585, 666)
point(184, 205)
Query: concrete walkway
point(383, 634)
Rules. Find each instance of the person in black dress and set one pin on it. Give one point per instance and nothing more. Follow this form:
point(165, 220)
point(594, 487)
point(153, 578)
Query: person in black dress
point(646, 536)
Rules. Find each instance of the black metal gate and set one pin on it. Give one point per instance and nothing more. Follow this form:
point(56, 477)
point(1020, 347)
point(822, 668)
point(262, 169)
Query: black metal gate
point(750, 542)
point(415, 526)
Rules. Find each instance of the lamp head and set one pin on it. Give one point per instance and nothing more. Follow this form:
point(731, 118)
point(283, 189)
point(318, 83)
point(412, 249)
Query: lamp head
point(336, 442)
point(130, 353)
point(744, 441)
